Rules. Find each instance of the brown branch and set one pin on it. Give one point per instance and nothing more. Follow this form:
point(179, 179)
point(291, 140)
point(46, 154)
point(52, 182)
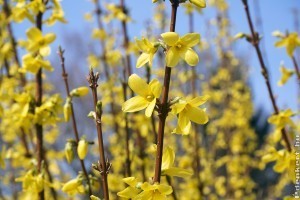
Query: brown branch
point(255, 43)
point(76, 134)
point(296, 68)
point(103, 166)
point(164, 109)
point(38, 100)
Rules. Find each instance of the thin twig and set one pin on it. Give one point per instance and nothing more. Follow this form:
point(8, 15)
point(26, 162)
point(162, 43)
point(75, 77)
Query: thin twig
point(76, 134)
point(103, 165)
point(255, 43)
point(296, 68)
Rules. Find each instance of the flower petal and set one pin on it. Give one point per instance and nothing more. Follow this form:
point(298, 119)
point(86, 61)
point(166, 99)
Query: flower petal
point(150, 108)
point(170, 38)
point(34, 34)
point(134, 104)
point(196, 115)
point(175, 171)
point(45, 51)
point(142, 60)
point(138, 85)
point(155, 87)
point(49, 38)
point(184, 124)
point(197, 101)
point(172, 57)
point(191, 57)
point(190, 39)
point(168, 158)
point(142, 45)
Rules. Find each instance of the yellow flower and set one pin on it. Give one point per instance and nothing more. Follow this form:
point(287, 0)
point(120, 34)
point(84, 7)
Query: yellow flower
point(32, 182)
point(291, 42)
point(131, 191)
point(168, 162)
point(82, 149)
point(38, 42)
point(148, 49)
point(147, 95)
point(285, 75)
point(33, 64)
point(282, 119)
point(180, 47)
point(199, 3)
point(115, 12)
point(79, 92)
point(188, 111)
point(154, 192)
point(73, 187)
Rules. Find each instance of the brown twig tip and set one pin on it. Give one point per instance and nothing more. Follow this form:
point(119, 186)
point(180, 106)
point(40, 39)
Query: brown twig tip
point(93, 78)
point(60, 51)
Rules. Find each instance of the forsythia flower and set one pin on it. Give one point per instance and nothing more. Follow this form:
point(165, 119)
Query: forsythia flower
point(116, 12)
point(33, 64)
point(284, 161)
point(147, 95)
point(291, 42)
point(148, 49)
point(131, 191)
point(32, 182)
point(282, 119)
point(188, 111)
point(285, 75)
point(180, 47)
point(38, 42)
point(168, 162)
point(154, 192)
point(73, 186)
point(199, 3)
point(82, 149)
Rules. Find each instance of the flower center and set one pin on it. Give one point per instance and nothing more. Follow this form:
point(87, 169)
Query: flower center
point(149, 97)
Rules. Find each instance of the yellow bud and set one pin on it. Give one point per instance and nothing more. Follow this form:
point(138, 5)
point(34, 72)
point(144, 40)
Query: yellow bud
point(199, 3)
point(69, 152)
point(67, 110)
point(82, 149)
point(154, 1)
point(79, 92)
point(71, 185)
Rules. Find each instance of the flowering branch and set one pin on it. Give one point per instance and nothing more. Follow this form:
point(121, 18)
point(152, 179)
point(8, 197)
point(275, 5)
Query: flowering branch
point(164, 108)
point(65, 78)
point(255, 42)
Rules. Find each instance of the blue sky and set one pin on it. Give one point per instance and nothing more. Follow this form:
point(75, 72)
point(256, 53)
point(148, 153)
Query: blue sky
point(276, 15)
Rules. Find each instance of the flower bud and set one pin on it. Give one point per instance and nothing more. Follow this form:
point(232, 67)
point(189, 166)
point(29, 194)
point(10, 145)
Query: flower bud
point(99, 108)
point(79, 92)
point(69, 152)
point(199, 3)
point(82, 149)
point(67, 110)
point(71, 185)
